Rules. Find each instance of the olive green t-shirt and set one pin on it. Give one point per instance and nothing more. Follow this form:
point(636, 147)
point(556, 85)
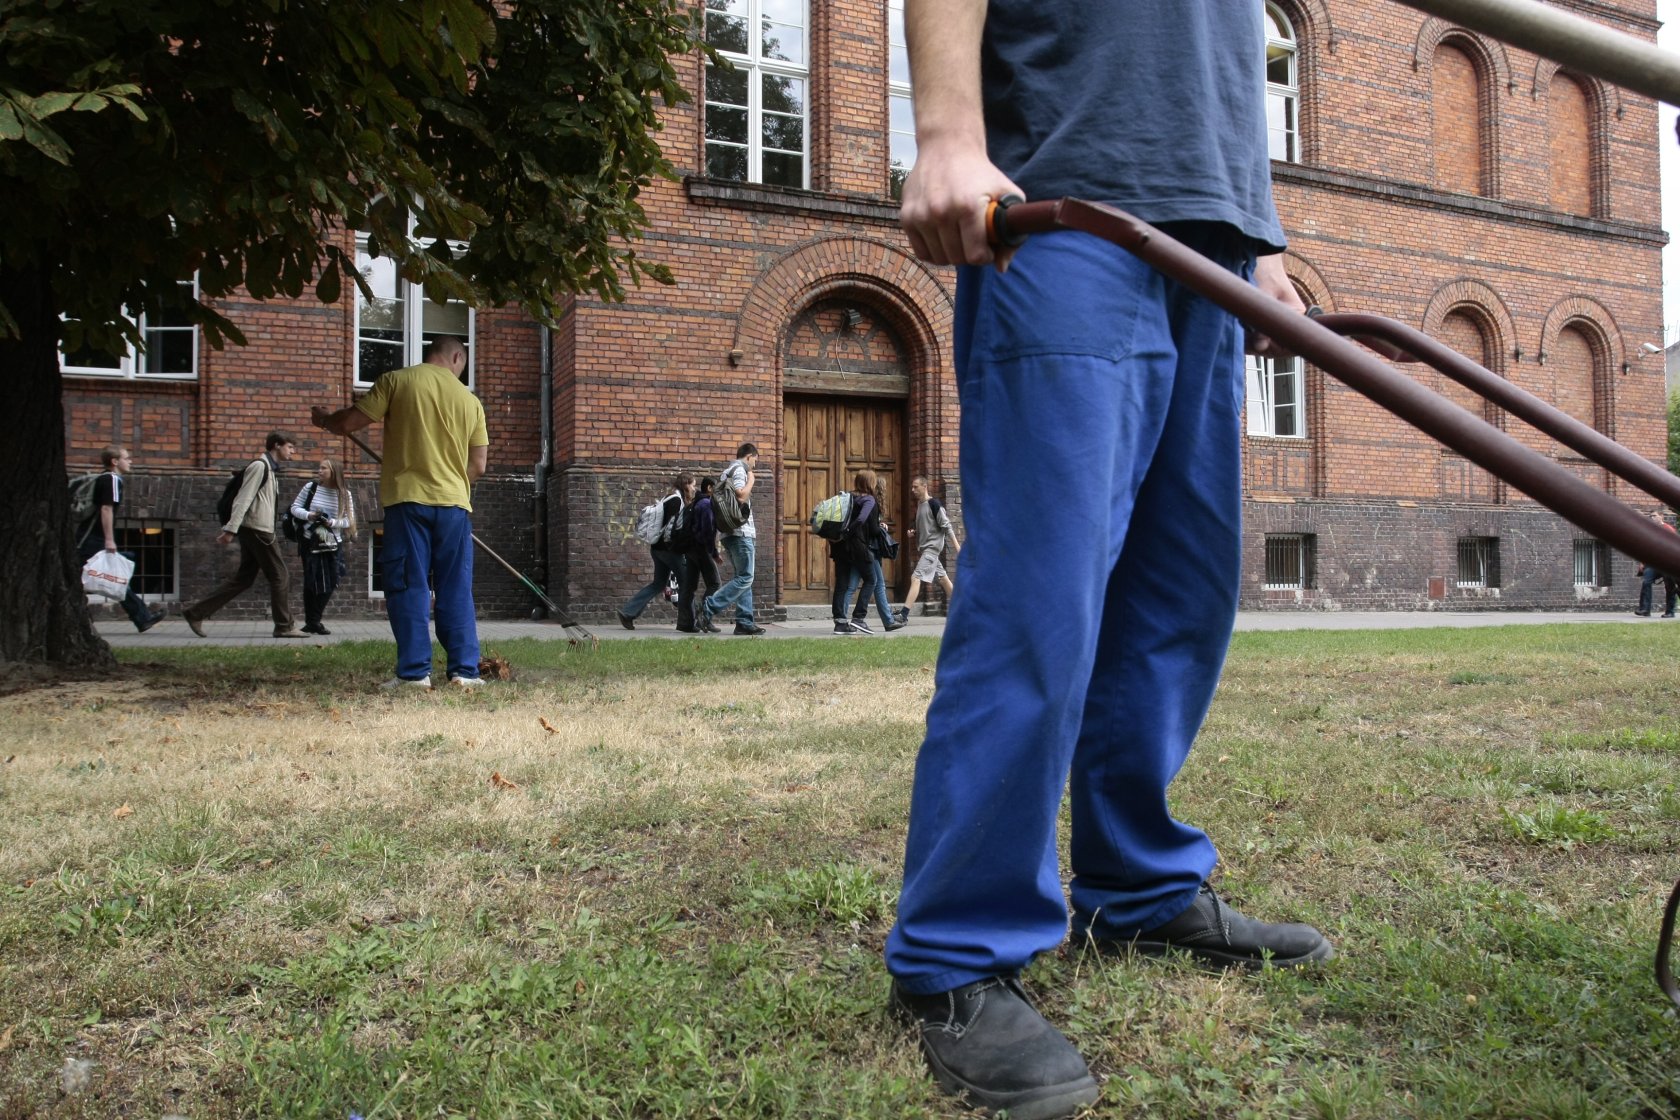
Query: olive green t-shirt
point(431, 419)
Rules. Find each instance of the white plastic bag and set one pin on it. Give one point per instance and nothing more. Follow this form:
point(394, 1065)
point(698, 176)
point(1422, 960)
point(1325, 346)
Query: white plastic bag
point(106, 574)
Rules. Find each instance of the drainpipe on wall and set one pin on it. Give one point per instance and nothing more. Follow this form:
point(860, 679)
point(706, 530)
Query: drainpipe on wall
point(539, 497)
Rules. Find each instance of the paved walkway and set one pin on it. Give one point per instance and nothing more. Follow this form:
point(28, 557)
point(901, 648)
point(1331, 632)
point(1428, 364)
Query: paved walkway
point(173, 632)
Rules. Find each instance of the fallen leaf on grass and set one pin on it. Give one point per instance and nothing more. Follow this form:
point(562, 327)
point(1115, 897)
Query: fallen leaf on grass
point(500, 782)
point(6, 1037)
point(795, 789)
point(122, 811)
point(547, 726)
point(305, 776)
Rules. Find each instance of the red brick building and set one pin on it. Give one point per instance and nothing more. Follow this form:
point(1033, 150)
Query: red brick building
point(1423, 171)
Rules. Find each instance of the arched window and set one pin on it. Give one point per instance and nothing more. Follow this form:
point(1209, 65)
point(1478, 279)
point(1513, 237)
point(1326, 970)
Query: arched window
point(1283, 88)
point(1457, 97)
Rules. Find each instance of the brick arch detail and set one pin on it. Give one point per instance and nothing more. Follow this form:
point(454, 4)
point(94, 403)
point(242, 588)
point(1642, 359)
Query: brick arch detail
point(1603, 101)
point(1596, 322)
point(1493, 67)
point(1313, 31)
point(1489, 54)
point(1483, 302)
point(1306, 275)
point(915, 303)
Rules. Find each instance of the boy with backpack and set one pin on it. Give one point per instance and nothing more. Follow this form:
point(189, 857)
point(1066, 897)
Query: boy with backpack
point(662, 526)
point(933, 526)
point(93, 503)
point(249, 519)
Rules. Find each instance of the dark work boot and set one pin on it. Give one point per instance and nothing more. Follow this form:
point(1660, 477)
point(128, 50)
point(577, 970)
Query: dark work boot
point(1218, 936)
point(985, 1043)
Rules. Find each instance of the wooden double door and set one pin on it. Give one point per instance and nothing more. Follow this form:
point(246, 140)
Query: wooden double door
point(827, 440)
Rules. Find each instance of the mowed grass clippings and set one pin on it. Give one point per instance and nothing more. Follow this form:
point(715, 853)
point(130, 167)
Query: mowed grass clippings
point(653, 880)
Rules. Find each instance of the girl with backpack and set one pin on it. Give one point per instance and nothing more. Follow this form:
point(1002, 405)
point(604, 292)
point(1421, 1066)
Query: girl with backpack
point(324, 513)
point(667, 559)
point(851, 555)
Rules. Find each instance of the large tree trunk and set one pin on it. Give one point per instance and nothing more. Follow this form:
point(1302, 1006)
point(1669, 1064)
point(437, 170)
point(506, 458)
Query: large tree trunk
point(43, 614)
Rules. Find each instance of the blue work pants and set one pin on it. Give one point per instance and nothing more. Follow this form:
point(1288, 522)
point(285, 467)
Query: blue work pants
point(1100, 437)
point(436, 542)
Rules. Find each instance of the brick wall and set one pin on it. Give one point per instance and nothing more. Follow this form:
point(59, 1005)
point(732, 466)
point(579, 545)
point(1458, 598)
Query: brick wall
point(1459, 185)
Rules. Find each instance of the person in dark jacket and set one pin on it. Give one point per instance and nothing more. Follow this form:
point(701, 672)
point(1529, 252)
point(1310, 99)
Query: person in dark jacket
point(851, 555)
point(700, 560)
point(99, 531)
point(667, 560)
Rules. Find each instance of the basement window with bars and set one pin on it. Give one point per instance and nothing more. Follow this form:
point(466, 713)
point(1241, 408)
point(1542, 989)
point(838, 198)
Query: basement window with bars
point(1290, 561)
point(1478, 561)
point(152, 545)
point(1592, 563)
point(375, 554)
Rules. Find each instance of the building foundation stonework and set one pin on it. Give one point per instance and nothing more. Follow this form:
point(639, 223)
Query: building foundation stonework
point(1423, 172)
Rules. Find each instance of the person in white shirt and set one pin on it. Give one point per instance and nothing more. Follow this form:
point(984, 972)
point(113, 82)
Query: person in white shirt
point(326, 512)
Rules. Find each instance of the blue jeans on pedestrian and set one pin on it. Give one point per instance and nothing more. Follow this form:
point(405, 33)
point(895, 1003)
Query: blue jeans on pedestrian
point(429, 550)
point(741, 550)
point(881, 603)
point(664, 564)
point(1082, 374)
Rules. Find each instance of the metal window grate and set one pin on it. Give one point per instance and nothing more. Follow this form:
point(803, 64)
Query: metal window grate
point(152, 545)
point(1290, 561)
point(375, 555)
point(1592, 563)
point(1478, 561)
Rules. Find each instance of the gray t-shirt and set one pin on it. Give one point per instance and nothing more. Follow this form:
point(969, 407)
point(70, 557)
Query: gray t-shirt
point(735, 477)
point(932, 523)
point(1157, 108)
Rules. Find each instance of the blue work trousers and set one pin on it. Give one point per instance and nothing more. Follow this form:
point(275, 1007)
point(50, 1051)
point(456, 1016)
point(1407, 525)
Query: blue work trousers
point(741, 551)
point(436, 542)
point(1100, 438)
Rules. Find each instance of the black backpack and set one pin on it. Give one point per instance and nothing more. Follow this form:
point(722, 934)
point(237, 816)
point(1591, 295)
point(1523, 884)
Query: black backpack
point(230, 492)
point(290, 527)
point(680, 536)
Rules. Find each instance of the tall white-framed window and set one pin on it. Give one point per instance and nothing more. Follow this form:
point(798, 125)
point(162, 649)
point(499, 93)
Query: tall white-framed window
point(171, 350)
point(901, 116)
point(1283, 87)
point(1276, 398)
point(393, 328)
point(758, 112)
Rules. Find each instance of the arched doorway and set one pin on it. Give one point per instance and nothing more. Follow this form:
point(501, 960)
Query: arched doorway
point(846, 381)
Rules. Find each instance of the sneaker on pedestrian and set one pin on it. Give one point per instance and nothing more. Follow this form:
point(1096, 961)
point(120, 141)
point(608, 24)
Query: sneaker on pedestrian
point(1643, 614)
point(468, 683)
point(688, 629)
point(404, 682)
point(626, 621)
point(842, 626)
point(1217, 936)
point(1666, 614)
point(892, 624)
point(985, 1043)
point(861, 626)
point(703, 618)
point(322, 630)
point(152, 620)
point(196, 625)
point(292, 633)
point(903, 614)
point(742, 630)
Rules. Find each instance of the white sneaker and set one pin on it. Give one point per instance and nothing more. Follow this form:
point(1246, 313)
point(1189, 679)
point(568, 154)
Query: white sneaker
point(468, 683)
point(398, 682)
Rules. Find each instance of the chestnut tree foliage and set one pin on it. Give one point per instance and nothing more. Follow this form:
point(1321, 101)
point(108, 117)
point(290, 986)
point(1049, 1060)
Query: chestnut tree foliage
point(145, 142)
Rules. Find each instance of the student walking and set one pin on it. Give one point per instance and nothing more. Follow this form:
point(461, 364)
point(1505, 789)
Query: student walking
point(890, 620)
point(852, 557)
point(326, 514)
point(667, 557)
point(741, 544)
point(700, 560)
point(99, 530)
point(251, 523)
point(933, 528)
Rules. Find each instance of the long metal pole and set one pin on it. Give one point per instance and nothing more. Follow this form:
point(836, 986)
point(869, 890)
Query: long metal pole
point(1570, 39)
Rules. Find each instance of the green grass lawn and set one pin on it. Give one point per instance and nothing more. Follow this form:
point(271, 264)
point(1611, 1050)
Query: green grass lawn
point(652, 880)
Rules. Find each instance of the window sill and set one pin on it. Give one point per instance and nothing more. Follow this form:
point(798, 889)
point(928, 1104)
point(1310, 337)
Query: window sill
point(758, 196)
